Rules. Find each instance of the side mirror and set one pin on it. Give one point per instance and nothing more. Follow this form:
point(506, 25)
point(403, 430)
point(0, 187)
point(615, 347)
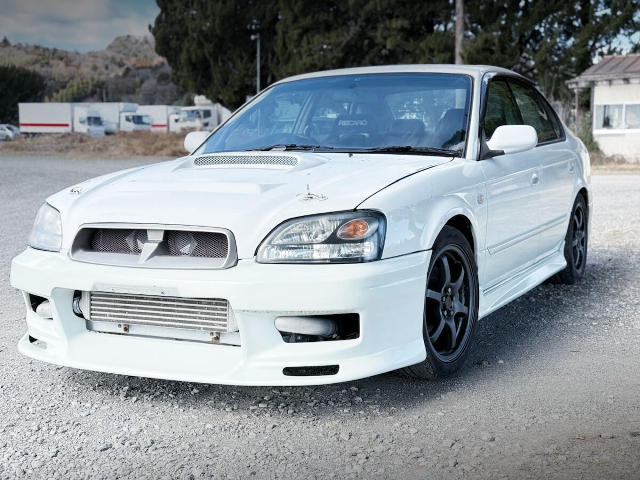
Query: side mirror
point(513, 139)
point(194, 139)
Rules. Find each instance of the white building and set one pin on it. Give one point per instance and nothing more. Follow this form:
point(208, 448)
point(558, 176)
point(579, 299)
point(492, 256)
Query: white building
point(615, 104)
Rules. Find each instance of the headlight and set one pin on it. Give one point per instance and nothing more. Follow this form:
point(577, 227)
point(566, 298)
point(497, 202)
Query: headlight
point(346, 237)
point(46, 233)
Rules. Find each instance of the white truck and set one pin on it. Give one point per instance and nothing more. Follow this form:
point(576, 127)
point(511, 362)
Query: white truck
point(122, 117)
point(206, 116)
point(59, 118)
point(159, 115)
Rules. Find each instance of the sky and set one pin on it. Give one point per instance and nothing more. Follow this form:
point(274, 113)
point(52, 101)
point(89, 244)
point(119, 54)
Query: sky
point(76, 25)
point(87, 25)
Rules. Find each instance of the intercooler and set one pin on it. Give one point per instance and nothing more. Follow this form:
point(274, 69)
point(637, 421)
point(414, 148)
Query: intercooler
point(129, 313)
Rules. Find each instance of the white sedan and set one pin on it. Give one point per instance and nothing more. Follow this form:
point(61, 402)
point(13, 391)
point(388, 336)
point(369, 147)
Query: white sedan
point(340, 225)
point(9, 132)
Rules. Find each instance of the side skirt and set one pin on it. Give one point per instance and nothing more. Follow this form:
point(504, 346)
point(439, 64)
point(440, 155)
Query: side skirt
point(496, 296)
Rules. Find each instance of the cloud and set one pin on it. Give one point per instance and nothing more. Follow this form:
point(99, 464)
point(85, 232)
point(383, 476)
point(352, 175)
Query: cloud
point(76, 25)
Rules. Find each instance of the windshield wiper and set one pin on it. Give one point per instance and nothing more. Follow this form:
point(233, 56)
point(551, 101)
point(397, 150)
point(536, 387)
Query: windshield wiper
point(285, 146)
point(445, 152)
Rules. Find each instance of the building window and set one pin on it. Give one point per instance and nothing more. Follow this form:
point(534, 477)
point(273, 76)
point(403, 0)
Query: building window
point(632, 116)
point(608, 117)
point(617, 117)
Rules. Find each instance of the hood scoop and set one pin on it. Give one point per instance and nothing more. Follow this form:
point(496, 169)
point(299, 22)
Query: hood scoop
point(256, 160)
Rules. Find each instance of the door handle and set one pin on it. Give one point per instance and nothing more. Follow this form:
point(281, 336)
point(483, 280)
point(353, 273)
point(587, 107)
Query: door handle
point(535, 178)
point(572, 167)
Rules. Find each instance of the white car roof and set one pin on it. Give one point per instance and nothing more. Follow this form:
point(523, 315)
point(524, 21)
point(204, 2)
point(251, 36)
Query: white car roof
point(476, 71)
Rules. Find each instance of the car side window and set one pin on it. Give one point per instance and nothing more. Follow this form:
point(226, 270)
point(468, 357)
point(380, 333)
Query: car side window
point(501, 109)
point(535, 113)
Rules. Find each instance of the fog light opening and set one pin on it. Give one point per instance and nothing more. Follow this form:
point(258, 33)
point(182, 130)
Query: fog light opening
point(44, 310)
point(36, 300)
point(319, 328)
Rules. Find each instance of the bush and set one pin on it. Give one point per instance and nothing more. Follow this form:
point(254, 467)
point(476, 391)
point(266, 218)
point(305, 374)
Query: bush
point(586, 134)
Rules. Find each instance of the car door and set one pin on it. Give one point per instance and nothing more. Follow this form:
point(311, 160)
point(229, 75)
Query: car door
point(558, 165)
point(513, 194)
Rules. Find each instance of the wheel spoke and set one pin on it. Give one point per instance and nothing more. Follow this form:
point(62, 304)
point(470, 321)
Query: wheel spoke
point(433, 295)
point(458, 283)
point(446, 270)
point(436, 335)
point(459, 307)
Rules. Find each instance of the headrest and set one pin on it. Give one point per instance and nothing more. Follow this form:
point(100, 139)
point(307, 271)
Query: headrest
point(359, 123)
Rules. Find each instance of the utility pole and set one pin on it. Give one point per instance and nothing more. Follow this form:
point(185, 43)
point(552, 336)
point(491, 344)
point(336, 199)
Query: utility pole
point(255, 26)
point(459, 30)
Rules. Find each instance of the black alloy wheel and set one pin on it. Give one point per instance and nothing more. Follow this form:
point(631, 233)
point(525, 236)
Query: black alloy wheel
point(451, 307)
point(447, 304)
point(576, 243)
point(579, 237)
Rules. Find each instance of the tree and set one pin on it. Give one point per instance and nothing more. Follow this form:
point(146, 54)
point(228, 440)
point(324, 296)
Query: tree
point(18, 84)
point(548, 42)
point(327, 34)
point(209, 48)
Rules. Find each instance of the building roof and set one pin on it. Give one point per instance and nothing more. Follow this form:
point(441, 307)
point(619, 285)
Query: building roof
point(612, 69)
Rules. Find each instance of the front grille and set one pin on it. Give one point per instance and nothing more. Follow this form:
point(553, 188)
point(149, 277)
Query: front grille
point(174, 312)
point(181, 243)
point(155, 246)
point(213, 160)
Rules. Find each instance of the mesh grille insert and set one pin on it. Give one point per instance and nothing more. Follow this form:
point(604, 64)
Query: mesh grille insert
point(180, 243)
point(212, 160)
point(118, 241)
point(197, 244)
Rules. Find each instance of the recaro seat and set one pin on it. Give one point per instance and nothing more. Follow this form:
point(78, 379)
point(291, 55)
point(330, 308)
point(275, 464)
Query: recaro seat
point(353, 131)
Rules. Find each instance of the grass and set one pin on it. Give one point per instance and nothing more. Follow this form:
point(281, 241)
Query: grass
point(79, 145)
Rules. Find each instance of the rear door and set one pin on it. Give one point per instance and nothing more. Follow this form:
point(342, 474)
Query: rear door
point(513, 195)
point(558, 165)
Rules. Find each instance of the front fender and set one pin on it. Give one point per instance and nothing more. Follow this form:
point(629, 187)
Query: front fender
point(417, 207)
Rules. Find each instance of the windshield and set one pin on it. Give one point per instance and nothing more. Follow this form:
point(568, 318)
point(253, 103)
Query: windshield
point(94, 121)
point(140, 120)
point(353, 112)
point(189, 115)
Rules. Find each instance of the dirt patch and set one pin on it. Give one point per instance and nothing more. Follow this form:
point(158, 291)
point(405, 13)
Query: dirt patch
point(78, 145)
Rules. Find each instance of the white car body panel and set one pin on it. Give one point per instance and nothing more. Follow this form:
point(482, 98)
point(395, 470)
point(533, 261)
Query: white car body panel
point(255, 200)
point(516, 206)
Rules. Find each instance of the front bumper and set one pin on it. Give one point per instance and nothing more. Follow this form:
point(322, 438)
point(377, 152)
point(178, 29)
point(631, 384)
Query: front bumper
point(388, 295)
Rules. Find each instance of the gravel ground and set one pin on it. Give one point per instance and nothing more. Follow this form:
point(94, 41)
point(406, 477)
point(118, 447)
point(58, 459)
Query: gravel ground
point(551, 389)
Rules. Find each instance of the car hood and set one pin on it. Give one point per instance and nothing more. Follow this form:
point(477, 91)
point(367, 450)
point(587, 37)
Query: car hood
point(247, 194)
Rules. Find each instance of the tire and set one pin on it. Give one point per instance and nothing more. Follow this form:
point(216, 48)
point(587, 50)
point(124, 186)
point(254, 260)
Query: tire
point(451, 307)
point(575, 245)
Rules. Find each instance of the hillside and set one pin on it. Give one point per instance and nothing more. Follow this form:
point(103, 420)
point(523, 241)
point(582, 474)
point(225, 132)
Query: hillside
point(128, 70)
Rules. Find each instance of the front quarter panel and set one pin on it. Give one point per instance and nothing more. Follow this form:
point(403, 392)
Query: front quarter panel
point(418, 206)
